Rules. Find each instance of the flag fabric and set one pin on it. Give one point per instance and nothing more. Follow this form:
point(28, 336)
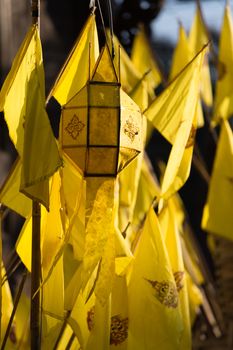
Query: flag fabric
point(52, 234)
point(181, 56)
point(53, 307)
point(143, 59)
point(223, 104)
point(23, 102)
point(79, 65)
point(180, 159)
point(217, 215)
point(167, 111)
point(10, 195)
point(173, 113)
point(170, 229)
point(198, 37)
point(148, 191)
point(129, 74)
point(152, 294)
point(6, 308)
point(99, 245)
point(91, 326)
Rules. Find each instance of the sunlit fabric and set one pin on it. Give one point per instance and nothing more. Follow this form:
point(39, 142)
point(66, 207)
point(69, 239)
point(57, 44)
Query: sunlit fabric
point(173, 245)
point(198, 37)
point(217, 215)
point(153, 296)
point(181, 56)
point(79, 64)
point(143, 59)
point(23, 102)
point(223, 104)
point(173, 113)
point(10, 195)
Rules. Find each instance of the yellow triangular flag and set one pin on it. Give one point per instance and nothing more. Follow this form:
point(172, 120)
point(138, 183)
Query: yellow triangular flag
point(23, 101)
point(174, 115)
point(217, 216)
point(142, 58)
point(180, 159)
point(153, 296)
point(177, 103)
point(53, 307)
point(129, 75)
point(198, 37)
point(181, 56)
point(148, 190)
point(173, 245)
point(6, 306)
point(52, 235)
point(79, 65)
point(223, 104)
point(10, 195)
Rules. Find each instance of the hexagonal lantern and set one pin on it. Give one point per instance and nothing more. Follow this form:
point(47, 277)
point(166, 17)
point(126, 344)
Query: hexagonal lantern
point(101, 127)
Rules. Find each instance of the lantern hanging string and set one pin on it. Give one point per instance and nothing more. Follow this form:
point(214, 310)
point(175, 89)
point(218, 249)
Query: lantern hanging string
point(104, 27)
point(111, 26)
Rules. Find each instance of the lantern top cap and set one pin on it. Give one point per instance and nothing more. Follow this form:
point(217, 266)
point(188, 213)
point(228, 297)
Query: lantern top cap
point(104, 70)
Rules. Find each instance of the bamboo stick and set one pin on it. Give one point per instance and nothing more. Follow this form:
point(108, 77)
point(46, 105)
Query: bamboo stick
point(35, 320)
point(35, 314)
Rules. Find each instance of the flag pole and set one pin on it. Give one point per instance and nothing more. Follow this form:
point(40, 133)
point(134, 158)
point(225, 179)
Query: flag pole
point(35, 313)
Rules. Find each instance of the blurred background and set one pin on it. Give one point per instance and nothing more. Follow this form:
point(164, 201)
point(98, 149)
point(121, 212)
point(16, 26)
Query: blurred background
point(61, 22)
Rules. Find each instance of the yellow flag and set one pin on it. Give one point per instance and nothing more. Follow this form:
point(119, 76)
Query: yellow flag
point(22, 322)
point(177, 103)
point(198, 37)
point(140, 95)
point(180, 159)
point(79, 65)
point(23, 101)
point(52, 235)
point(10, 195)
point(217, 215)
point(173, 245)
point(83, 318)
point(148, 190)
point(53, 307)
point(129, 74)
point(66, 339)
point(174, 113)
point(7, 305)
point(181, 56)
point(153, 295)
point(143, 59)
point(223, 104)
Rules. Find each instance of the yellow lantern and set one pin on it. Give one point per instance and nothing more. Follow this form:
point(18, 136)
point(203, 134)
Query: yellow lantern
point(101, 127)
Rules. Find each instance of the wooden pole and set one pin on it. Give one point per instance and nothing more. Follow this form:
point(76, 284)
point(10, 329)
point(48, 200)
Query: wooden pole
point(35, 317)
